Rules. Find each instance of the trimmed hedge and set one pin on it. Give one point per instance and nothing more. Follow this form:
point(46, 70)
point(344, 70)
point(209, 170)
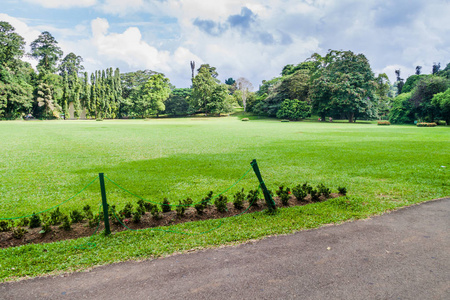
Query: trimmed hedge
point(426, 124)
point(384, 123)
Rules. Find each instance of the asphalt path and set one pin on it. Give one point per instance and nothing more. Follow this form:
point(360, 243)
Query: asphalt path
point(401, 255)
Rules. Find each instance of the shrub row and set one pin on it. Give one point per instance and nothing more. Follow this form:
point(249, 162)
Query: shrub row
point(426, 124)
point(384, 123)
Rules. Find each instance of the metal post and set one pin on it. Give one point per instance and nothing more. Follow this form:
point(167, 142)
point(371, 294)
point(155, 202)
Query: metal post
point(105, 204)
point(267, 196)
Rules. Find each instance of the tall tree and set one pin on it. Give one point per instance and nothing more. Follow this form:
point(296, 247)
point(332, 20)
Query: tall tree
point(435, 69)
point(422, 96)
point(45, 48)
point(46, 103)
point(71, 64)
point(153, 95)
point(418, 70)
point(11, 44)
point(399, 83)
point(345, 86)
point(245, 86)
point(442, 102)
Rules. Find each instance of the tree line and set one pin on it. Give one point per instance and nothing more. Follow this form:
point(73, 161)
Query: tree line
point(339, 84)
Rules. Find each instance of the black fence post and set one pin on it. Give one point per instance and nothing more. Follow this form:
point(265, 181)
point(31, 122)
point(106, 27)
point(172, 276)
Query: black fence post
point(270, 203)
point(104, 203)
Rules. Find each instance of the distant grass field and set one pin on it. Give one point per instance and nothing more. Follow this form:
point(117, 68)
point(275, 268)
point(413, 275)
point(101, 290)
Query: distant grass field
point(44, 163)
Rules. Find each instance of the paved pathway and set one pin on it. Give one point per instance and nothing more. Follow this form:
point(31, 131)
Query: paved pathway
point(401, 255)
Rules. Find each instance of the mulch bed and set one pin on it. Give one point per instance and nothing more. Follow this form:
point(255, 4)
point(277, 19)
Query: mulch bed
point(82, 229)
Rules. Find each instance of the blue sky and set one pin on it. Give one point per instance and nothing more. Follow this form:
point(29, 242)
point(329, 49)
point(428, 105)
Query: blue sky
point(251, 39)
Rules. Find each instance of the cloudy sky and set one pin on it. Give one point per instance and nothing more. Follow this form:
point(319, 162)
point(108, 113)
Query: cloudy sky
point(241, 38)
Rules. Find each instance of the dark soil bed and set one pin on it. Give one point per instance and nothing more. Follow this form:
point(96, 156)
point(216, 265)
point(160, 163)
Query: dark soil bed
point(170, 218)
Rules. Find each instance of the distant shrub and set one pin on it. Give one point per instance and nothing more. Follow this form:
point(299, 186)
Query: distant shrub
point(46, 228)
point(136, 216)
point(284, 121)
point(155, 213)
point(87, 212)
point(284, 195)
point(245, 119)
point(55, 217)
point(441, 123)
point(99, 119)
point(95, 221)
point(384, 123)
point(23, 222)
point(127, 210)
point(200, 207)
point(65, 223)
point(314, 195)
point(426, 124)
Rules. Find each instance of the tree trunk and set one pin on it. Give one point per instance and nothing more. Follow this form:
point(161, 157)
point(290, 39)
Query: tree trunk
point(350, 118)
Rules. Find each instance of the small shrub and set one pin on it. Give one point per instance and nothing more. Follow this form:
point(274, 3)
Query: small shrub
point(182, 205)
point(141, 210)
point(245, 119)
point(284, 121)
point(239, 198)
point(252, 197)
point(88, 212)
point(221, 203)
point(35, 221)
point(426, 124)
point(315, 195)
point(5, 226)
point(137, 216)
point(111, 210)
point(299, 192)
point(441, 122)
point(324, 190)
point(155, 213)
point(45, 228)
point(19, 232)
point(76, 216)
point(165, 206)
point(117, 218)
point(23, 222)
point(95, 221)
point(384, 123)
point(342, 191)
point(127, 211)
point(55, 217)
point(200, 207)
point(99, 119)
point(144, 206)
point(284, 195)
point(66, 224)
point(307, 188)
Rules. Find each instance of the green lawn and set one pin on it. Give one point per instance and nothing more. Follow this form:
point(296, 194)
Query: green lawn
point(44, 163)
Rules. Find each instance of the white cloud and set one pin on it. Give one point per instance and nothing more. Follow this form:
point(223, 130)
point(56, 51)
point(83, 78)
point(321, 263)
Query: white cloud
point(63, 3)
point(121, 7)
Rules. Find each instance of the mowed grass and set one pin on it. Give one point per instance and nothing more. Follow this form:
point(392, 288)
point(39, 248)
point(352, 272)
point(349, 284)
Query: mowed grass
point(45, 163)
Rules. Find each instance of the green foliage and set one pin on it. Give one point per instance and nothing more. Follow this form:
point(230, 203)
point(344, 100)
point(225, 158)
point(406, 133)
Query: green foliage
point(442, 102)
point(411, 82)
point(402, 110)
point(387, 123)
point(200, 207)
point(136, 216)
point(424, 124)
point(253, 197)
point(94, 221)
point(221, 203)
point(46, 50)
point(46, 228)
point(35, 221)
point(239, 198)
point(66, 223)
point(294, 110)
point(346, 86)
point(422, 96)
point(23, 222)
point(19, 232)
point(314, 195)
point(323, 190)
point(182, 205)
point(76, 216)
point(5, 225)
point(127, 210)
point(155, 213)
point(299, 192)
point(55, 217)
point(178, 102)
point(342, 190)
point(165, 206)
point(152, 95)
point(88, 212)
point(12, 44)
point(284, 195)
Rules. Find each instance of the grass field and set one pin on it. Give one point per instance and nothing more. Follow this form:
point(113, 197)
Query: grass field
point(44, 163)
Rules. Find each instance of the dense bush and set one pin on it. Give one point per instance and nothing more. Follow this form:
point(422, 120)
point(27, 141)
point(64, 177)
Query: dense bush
point(35, 221)
point(76, 216)
point(18, 232)
point(294, 109)
point(402, 111)
point(221, 203)
point(165, 206)
point(252, 197)
point(384, 123)
point(5, 226)
point(299, 192)
point(422, 124)
point(200, 207)
point(239, 198)
point(323, 190)
point(284, 194)
point(66, 224)
point(182, 205)
point(342, 191)
point(55, 217)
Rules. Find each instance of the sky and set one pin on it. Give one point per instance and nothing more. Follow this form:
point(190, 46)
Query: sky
point(251, 39)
